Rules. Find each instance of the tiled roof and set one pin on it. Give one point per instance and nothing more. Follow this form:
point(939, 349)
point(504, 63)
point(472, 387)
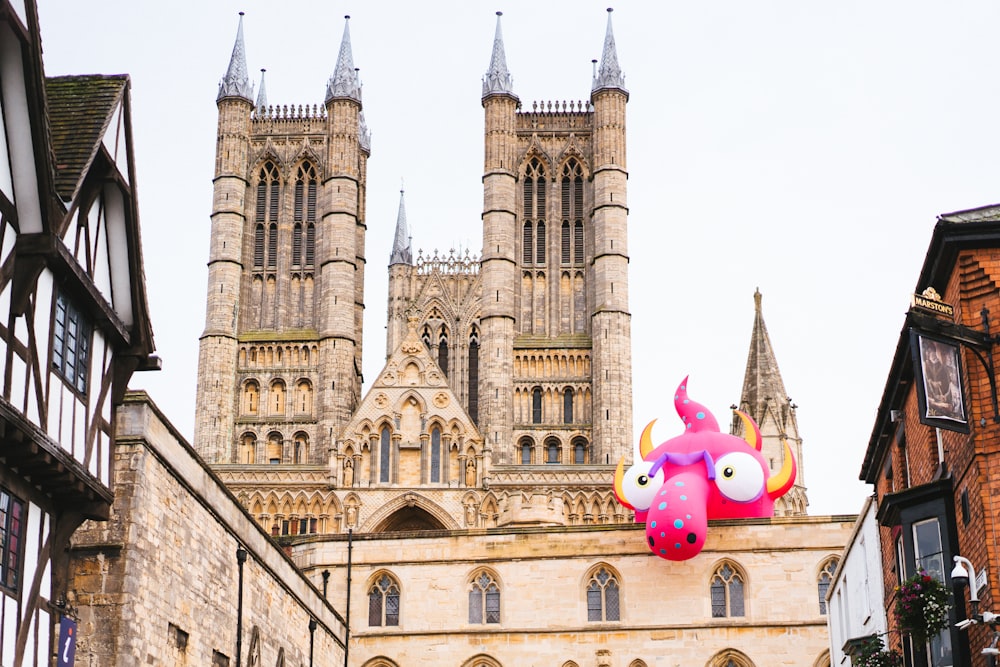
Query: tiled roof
point(80, 108)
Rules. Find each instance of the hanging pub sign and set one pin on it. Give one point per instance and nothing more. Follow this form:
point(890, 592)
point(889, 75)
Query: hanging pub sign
point(930, 302)
point(938, 372)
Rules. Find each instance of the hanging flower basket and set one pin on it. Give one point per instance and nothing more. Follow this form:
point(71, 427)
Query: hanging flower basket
point(873, 654)
point(922, 606)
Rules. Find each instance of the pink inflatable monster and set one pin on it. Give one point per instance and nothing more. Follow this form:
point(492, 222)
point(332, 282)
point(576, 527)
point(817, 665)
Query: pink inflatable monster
point(701, 474)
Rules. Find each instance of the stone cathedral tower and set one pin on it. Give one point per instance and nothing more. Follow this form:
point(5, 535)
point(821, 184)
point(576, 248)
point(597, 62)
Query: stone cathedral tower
point(506, 394)
point(534, 335)
point(280, 357)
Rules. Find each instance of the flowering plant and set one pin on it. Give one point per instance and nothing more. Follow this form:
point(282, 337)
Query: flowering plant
point(872, 654)
point(922, 606)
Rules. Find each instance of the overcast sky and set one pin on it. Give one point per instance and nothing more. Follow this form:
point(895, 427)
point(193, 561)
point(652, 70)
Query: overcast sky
point(802, 147)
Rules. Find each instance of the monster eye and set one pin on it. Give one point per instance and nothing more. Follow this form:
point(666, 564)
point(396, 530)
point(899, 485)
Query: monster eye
point(739, 477)
point(639, 487)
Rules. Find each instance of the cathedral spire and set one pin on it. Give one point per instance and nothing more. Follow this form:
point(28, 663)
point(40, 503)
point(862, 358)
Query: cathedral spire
point(344, 82)
point(609, 74)
point(763, 388)
point(401, 253)
point(498, 79)
point(261, 93)
point(236, 82)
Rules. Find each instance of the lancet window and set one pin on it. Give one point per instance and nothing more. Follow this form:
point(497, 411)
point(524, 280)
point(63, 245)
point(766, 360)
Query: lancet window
point(383, 602)
point(603, 602)
point(266, 217)
point(533, 190)
point(727, 592)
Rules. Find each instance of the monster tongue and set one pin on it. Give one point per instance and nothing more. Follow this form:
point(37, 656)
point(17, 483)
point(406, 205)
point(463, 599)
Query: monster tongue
point(677, 520)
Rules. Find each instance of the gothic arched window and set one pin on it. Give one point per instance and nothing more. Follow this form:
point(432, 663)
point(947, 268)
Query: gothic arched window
point(474, 375)
point(300, 448)
point(443, 350)
point(435, 454)
point(568, 406)
point(603, 596)
point(383, 602)
point(727, 592)
point(823, 586)
point(383, 455)
point(536, 406)
point(484, 599)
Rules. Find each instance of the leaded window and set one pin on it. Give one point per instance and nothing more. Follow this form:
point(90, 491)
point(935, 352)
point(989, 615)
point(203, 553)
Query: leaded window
point(727, 593)
point(383, 455)
point(603, 597)
point(825, 577)
point(11, 538)
point(71, 343)
point(383, 602)
point(484, 600)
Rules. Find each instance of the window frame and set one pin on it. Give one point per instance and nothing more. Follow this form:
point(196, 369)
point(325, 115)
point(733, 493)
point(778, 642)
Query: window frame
point(76, 377)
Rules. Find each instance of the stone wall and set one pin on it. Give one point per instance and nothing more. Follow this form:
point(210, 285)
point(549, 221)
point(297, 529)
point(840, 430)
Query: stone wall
point(543, 573)
point(158, 583)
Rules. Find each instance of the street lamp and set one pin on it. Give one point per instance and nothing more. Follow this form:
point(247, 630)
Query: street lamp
point(241, 558)
point(312, 632)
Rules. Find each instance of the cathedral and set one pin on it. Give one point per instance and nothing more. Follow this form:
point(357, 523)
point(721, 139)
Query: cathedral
point(464, 501)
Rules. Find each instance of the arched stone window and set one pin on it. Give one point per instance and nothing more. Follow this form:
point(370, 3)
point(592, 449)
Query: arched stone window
point(484, 598)
point(526, 446)
point(275, 447)
point(823, 585)
point(727, 591)
point(579, 451)
point(267, 212)
point(730, 658)
point(248, 449)
point(603, 602)
point(552, 450)
point(276, 400)
point(300, 448)
point(303, 397)
point(568, 406)
point(536, 405)
point(383, 602)
point(251, 397)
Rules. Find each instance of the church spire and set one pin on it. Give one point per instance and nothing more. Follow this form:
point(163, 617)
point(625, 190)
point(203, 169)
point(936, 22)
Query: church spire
point(344, 82)
point(763, 388)
point(609, 74)
point(261, 93)
point(401, 253)
point(498, 79)
point(236, 82)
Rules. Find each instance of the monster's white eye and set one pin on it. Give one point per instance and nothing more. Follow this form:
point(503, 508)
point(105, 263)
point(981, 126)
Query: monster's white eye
point(739, 477)
point(639, 487)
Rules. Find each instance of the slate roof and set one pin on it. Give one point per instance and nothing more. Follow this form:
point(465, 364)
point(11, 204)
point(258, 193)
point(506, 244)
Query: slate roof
point(80, 108)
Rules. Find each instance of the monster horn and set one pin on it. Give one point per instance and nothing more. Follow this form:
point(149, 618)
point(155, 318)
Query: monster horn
point(696, 417)
point(619, 477)
point(778, 485)
point(646, 440)
point(750, 431)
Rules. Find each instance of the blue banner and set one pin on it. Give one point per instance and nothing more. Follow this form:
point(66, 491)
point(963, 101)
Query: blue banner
point(67, 642)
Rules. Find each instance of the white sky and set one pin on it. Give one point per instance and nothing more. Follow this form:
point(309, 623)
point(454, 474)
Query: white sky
point(802, 147)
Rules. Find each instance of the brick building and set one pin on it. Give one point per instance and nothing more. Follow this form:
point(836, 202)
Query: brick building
point(932, 457)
